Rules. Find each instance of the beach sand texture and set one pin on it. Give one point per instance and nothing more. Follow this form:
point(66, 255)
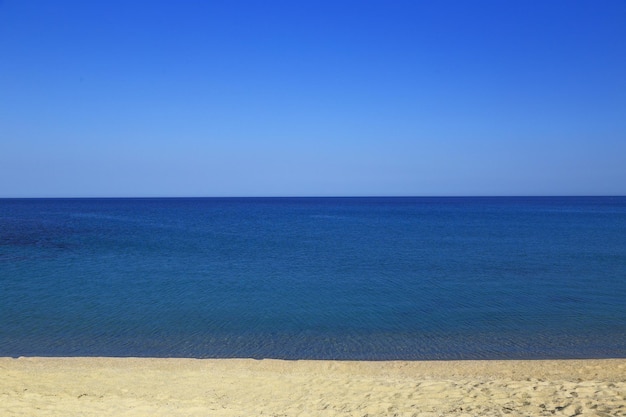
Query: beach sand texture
point(247, 387)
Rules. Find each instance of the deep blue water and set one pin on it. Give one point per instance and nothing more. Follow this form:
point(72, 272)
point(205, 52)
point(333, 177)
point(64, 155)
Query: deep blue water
point(321, 278)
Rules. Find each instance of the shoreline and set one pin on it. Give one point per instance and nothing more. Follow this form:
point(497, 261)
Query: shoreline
point(96, 386)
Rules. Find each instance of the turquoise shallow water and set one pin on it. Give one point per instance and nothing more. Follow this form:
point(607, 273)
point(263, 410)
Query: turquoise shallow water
point(320, 278)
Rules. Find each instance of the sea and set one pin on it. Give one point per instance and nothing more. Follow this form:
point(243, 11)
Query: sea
point(314, 278)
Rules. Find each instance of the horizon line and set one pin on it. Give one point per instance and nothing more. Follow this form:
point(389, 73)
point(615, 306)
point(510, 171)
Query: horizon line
point(313, 196)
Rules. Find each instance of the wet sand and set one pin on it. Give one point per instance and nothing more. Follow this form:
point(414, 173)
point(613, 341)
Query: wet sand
point(247, 387)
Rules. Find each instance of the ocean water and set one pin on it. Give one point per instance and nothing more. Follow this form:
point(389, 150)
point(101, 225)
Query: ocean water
point(314, 278)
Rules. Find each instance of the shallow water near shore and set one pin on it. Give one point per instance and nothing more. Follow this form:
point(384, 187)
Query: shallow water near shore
point(314, 278)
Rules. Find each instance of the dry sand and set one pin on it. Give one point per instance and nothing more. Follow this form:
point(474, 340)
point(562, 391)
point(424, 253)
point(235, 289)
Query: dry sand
point(246, 387)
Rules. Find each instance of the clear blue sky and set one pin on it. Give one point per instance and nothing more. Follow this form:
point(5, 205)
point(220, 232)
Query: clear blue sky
point(283, 98)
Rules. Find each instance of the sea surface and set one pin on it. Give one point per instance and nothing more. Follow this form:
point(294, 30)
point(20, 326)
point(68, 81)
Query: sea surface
point(314, 278)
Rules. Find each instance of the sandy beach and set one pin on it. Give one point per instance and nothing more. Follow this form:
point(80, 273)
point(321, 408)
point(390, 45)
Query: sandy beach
point(246, 387)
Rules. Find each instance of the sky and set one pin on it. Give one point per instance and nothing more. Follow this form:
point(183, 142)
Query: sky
point(312, 98)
